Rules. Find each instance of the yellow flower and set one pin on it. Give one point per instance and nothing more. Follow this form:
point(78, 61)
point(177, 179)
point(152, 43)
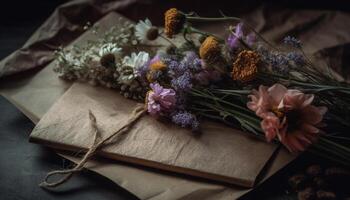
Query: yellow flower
point(210, 50)
point(158, 65)
point(174, 22)
point(245, 67)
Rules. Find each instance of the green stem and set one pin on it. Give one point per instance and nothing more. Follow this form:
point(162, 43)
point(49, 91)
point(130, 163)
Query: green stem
point(213, 19)
point(194, 30)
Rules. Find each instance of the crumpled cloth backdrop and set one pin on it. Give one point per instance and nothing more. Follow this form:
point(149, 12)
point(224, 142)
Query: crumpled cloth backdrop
point(324, 33)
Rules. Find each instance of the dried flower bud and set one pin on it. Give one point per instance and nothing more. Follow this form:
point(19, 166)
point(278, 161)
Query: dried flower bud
point(297, 182)
point(307, 194)
point(210, 50)
point(314, 170)
point(152, 33)
point(245, 68)
point(158, 65)
point(325, 195)
point(107, 60)
point(174, 21)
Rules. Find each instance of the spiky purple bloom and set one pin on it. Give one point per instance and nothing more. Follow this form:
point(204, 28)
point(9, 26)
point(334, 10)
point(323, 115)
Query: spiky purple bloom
point(183, 82)
point(297, 58)
point(292, 41)
point(279, 63)
point(185, 120)
point(142, 71)
point(160, 100)
point(191, 61)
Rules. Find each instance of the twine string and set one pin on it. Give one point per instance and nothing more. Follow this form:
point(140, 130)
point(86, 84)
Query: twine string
point(98, 143)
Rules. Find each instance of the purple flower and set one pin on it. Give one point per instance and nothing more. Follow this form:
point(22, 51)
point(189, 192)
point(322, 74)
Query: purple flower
point(160, 100)
point(185, 120)
point(183, 82)
point(175, 69)
point(191, 61)
point(279, 63)
point(142, 71)
point(296, 57)
point(292, 41)
point(233, 38)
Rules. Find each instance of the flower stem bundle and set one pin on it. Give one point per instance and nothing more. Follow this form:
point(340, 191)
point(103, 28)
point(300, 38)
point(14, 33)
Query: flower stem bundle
point(272, 91)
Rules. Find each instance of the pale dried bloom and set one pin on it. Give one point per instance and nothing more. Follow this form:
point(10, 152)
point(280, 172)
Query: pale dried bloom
point(144, 31)
point(130, 66)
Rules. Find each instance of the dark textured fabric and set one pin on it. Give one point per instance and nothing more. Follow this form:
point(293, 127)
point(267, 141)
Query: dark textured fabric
point(322, 31)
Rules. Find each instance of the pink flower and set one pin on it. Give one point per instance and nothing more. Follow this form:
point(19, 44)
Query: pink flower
point(266, 99)
point(160, 100)
point(288, 115)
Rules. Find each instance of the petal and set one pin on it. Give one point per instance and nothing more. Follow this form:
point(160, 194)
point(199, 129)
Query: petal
point(277, 92)
point(312, 114)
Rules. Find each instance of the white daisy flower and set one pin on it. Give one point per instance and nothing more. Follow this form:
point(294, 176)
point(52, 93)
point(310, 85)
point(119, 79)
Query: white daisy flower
point(144, 31)
point(109, 48)
point(130, 65)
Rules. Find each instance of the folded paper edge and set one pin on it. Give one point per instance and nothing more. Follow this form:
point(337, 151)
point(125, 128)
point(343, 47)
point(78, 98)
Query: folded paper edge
point(147, 163)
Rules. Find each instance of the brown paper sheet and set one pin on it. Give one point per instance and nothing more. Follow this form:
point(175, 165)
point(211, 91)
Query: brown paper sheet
point(219, 153)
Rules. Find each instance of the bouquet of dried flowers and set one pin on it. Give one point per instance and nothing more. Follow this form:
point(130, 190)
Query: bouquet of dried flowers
point(272, 91)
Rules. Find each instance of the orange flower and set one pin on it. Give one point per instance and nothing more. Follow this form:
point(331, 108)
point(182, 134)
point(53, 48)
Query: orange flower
point(245, 67)
point(174, 21)
point(210, 50)
point(158, 65)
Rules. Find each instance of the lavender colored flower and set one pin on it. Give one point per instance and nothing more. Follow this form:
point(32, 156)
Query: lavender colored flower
point(142, 71)
point(292, 41)
point(297, 58)
point(183, 82)
point(175, 68)
point(185, 120)
point(279, 63)
point(263, 52)
point(191, 61)
point(233, 38)
point(160, 100)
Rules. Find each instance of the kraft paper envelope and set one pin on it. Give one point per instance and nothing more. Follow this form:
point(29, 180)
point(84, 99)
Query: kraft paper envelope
point(219, 153)
point(163, 186)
